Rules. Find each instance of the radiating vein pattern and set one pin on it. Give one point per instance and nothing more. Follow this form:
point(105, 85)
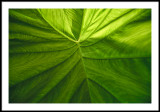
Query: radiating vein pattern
point(79, 55)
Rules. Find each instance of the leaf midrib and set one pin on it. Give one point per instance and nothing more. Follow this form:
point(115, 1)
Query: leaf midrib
point(84, 70)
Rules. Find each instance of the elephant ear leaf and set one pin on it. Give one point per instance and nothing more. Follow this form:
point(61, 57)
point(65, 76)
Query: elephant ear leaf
point(80, 55)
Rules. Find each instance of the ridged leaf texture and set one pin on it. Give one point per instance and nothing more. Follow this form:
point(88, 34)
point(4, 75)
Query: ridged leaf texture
point(79, 55)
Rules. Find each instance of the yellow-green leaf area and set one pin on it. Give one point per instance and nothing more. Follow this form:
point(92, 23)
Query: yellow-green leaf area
point(80, 55)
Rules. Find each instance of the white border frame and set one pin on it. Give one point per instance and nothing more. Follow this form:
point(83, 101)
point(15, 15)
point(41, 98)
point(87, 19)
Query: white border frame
point(155, 95)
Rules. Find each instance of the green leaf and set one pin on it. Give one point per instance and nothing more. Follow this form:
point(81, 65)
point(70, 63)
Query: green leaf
point(80, 55)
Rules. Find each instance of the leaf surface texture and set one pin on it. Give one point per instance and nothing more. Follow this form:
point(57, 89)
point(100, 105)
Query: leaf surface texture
point(79, 55)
